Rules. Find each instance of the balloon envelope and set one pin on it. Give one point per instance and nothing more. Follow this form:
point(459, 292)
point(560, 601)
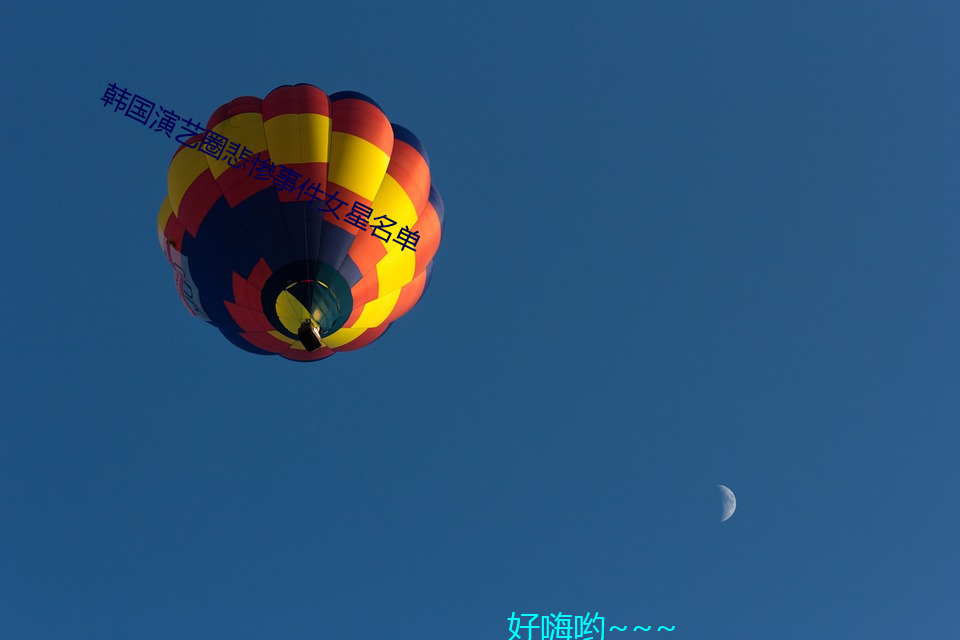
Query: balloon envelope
point(300, 210)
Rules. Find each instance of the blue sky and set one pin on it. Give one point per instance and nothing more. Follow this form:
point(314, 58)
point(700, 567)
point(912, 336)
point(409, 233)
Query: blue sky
point(686, 243)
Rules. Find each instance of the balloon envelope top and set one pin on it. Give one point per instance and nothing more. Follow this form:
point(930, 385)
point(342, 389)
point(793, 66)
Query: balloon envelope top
point(301, 224)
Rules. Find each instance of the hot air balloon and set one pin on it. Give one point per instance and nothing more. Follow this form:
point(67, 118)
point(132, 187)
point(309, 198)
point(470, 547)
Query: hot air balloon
point(301, 224)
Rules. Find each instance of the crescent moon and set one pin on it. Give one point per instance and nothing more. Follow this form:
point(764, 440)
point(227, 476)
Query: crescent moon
point(728, 502)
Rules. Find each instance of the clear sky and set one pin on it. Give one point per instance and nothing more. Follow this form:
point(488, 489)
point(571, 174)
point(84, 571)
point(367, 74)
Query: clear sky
point(686, 243)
